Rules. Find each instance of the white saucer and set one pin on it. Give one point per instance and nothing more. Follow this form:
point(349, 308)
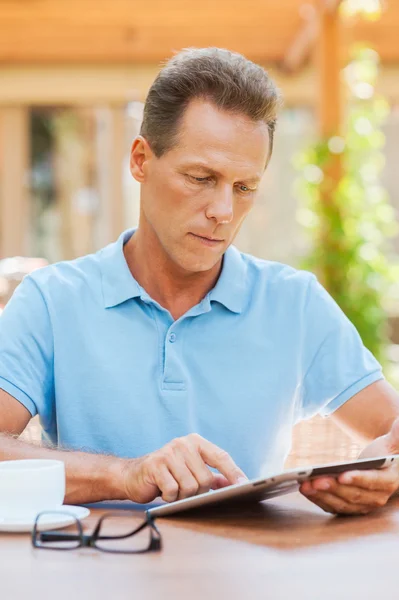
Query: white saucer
point(52, 521)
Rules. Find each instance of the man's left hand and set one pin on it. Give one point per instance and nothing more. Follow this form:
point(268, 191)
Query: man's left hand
point(359, 492)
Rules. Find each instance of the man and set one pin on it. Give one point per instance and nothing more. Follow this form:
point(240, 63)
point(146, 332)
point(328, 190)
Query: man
point(169, 363)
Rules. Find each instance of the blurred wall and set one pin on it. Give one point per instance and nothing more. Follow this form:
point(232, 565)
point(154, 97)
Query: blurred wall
point(93, 113)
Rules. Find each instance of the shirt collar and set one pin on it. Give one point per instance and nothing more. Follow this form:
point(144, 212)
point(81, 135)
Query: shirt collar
point(119, 285)
point(231, 287)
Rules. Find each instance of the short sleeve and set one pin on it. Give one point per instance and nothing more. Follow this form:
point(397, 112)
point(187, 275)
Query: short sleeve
point(336, 363)
point(26, 348)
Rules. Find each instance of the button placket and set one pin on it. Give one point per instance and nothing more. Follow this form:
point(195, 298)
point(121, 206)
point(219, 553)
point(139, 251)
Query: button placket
point(172, 377)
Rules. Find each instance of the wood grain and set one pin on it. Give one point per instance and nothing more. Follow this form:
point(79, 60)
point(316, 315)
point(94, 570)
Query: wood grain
point(120, 31)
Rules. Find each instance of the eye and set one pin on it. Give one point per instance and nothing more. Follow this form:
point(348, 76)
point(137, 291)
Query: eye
point(245, 189)
point(199, 179)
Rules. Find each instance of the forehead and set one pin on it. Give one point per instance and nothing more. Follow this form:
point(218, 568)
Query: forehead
point(213, 134)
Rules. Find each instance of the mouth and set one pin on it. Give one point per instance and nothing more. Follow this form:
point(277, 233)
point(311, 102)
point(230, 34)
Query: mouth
point(208, 241)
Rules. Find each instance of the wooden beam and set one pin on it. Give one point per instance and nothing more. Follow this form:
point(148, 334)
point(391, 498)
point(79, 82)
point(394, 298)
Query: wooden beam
point(327, 54)
point(74, 176)
point(329, 121)
point(14, 165)
point(111, 152)
point(51, 32)
point(94, 85)
point(300, 49)
point(75, 85)
point(122, 31)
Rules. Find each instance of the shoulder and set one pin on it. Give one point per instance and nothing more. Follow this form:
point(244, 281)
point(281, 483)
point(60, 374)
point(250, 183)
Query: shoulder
point(67, 278)
point(275, 276)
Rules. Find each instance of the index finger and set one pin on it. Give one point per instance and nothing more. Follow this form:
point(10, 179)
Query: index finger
point(220, 460)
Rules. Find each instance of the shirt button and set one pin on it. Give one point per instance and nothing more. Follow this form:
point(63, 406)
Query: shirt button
point(172, 338)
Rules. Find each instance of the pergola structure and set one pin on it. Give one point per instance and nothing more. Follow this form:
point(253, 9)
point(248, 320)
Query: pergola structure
point(124, 31)
point(82, 52)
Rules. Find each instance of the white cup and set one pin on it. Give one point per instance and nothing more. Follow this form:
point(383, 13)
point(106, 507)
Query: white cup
point(30, 486)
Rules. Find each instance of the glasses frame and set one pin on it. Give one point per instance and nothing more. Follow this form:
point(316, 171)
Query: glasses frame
point(40, 538)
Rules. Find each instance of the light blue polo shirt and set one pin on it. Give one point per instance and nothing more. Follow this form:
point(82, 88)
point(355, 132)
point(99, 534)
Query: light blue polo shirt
point(108, 369)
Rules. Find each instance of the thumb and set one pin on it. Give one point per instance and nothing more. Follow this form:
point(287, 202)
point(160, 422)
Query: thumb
point(393, 438)
point(384, 445)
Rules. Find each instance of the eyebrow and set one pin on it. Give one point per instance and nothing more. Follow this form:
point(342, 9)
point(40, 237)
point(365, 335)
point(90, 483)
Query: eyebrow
point(205, 167)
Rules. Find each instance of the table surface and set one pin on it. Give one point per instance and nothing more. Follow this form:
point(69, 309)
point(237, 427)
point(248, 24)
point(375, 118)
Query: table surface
point(284, 548)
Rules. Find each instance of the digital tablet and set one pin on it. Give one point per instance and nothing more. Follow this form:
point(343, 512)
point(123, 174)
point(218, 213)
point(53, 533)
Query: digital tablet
point(263, 488)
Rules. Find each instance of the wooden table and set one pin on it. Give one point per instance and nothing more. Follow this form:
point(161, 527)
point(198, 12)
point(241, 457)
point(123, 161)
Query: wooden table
point(285, 548)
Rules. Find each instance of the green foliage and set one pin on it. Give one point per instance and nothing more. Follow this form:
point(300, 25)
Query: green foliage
point(350, 224)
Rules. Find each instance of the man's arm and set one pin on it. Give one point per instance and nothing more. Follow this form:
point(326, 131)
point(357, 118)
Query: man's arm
point(176, 471)
point(373, 416)
point(89, 477)
point(370, 413)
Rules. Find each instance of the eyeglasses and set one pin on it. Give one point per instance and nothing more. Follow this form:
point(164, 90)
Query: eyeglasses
point(111, 534)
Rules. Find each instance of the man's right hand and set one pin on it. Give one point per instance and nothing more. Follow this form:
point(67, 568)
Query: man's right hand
point(179, 470)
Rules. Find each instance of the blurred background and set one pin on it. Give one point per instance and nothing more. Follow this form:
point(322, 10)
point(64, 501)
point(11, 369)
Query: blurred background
point(74, 75)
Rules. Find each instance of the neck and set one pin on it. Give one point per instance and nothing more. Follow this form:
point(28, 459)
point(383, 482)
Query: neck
point(173, 288)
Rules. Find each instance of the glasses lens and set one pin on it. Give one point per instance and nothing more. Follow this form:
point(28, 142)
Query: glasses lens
point(49, 535)
point(116, 531)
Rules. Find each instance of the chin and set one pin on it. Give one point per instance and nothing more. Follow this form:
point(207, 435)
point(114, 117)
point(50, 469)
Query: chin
point(195, 264)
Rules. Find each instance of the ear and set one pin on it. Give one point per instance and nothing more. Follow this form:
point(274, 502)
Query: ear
point(140, 154)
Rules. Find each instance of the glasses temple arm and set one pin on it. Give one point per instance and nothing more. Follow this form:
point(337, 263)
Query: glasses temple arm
point(55, 536)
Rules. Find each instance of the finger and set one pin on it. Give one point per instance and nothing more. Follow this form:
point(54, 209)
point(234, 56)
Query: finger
point(219, 481)
point(194, 462)
point(352, 494)
point(220, 460)
point(323, 506)
point(373, 479)
point(335, 504)
point(188, 485)
point(167, 484)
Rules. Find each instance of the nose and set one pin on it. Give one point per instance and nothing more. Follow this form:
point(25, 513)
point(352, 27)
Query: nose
point(221, 207)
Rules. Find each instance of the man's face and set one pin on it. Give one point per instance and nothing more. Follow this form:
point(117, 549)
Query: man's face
point(195, 197)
